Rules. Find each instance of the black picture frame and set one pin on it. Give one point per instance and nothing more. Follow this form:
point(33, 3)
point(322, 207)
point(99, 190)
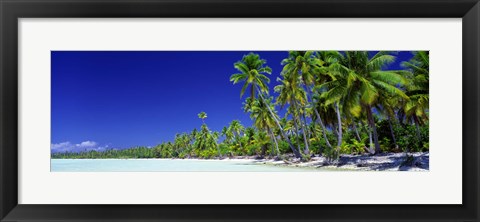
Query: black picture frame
point(12, 10)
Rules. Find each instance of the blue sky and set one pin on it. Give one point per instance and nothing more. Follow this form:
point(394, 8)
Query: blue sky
point(120, 99)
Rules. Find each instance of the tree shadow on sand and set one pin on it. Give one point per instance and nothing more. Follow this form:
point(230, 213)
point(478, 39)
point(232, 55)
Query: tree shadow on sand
point(382, 162)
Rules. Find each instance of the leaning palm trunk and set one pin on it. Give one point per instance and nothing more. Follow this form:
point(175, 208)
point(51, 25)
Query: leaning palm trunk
point(356, 132)
point(339, 140)
point(305, 141)
point(305, 134)
point(304, 125)
point(297, 129)
point(295, 151)
point(334, 129)
point(371, 121)
point(392, 132)
point(275, 141)
point(324, 132)
point(415, 119)
point(272, 136)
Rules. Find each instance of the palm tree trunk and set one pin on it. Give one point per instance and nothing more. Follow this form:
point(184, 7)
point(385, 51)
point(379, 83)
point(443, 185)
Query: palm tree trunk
point(296, 129)
point(415, 119)
point(239, 140)
point(295, 151)
point(263, 150)
point(295, 123)
point(275, 141)
point(219, 153)
point(310, 132)
point(370, 149)
point(400, 117)
point(305, 141)
point(371, 121)
point(356, 132)
point(323, 128)
point(391, 132)
point(334, 129)
point(339, 118)
point(305, 132)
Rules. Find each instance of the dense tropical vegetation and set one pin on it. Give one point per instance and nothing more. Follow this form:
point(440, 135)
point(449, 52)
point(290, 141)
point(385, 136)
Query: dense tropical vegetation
point(333, 103)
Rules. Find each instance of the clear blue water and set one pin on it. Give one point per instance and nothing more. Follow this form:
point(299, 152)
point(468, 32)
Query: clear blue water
point(164, 165)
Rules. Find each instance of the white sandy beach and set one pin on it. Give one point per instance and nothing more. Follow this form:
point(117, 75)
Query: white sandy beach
point(364, 162)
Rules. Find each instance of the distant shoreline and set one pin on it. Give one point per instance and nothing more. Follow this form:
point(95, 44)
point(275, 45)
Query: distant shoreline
point(381, 162)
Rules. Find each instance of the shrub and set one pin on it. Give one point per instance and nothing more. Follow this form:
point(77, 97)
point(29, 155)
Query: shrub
point(352, 147)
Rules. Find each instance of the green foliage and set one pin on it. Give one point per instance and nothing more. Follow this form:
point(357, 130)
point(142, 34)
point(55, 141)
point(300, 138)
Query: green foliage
point(207, 154)
point(352, 147)
point(331, 153)
point(385, 144)
point(319, 144)
point(283, 147)
point(136, 152)
point(409, 141)
point(326, 95)
point(253, 149)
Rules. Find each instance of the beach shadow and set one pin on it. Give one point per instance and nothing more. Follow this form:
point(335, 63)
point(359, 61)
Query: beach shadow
point(385, 161)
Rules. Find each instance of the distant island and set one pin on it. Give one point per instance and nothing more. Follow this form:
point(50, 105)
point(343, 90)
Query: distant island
point(338, 108)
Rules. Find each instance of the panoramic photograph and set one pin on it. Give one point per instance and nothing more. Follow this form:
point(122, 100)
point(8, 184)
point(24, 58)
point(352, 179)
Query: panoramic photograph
point(239, 111)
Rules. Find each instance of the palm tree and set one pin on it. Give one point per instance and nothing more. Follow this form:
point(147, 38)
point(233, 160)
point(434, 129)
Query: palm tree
point(292, 93)
point(213, 142)
point(263, 119)
point(236, 128)
point(387, 106)
point(329, 66)
point(227, 133)
point(358, 82)
point(253, 73)
point(249, 135)
point(201, 140)
point(261, 139)
point(202, 116)
point(301, 65)
point(416, 108)
point(316, 106)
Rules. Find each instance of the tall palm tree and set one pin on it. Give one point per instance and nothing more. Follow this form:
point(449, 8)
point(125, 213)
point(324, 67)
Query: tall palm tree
point(202, 138)
point(329, 65)
point(416, 108)
point(318, 105)
point(263, 119)
point(253, 72)
point(202, 116)
point(291, 92)
point(388, 106)
point(301, 65)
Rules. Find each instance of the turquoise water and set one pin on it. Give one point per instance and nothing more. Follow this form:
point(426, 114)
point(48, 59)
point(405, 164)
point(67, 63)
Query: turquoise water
point(164, 165)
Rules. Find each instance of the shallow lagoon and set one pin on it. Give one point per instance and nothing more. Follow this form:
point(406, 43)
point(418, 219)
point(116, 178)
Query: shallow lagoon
point(166, 165)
